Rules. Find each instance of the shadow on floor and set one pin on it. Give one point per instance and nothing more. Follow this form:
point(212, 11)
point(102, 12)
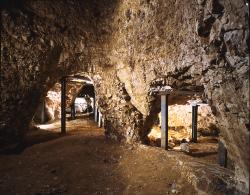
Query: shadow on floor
point(201, 154)
point(77, 164)
point(36, 137)
point(40, 135)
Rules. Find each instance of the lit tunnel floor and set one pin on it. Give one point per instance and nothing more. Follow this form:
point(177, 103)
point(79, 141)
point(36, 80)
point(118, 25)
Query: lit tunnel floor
point(205, 149)
point(85, 162)
point(81, 123)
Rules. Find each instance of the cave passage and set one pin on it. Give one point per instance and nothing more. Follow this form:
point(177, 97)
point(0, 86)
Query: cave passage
point(71, 99)
point(83, 102)
point(124, 97)
point(185, 127)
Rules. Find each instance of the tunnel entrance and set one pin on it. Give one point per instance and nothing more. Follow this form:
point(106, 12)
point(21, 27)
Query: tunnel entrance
point(83, 103)
point(71, 98)
point(185, 123)
point(180, 127)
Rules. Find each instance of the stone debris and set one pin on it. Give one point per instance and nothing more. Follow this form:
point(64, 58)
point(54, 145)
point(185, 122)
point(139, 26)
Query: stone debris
point(185, 147)
point(174, 188)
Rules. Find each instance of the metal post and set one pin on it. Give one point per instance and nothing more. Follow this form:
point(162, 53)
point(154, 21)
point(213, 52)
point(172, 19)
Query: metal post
point(96, 114)
point(103, 122)
point(94, 107)
point(42, 112)
point(194, 122)
point(63, 105)
point(74, 110)
point(100, 120)
point(222, 154)
point(164, 121)
point(72, 113)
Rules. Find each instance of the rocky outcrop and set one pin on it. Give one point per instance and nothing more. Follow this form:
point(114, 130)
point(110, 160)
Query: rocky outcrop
point(125, 47)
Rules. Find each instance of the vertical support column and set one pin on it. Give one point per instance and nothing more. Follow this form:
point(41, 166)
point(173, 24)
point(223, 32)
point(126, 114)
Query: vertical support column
point(63, 105)
point(194, 122)
point(96, 114)
point(73, 112)
point(103, 122)
point(164, 121)
point(87, 108)
point(222, 154)
point(100, 120)
point(43, 112)
point(93, 107)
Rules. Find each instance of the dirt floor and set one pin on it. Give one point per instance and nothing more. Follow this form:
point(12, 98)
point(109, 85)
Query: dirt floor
point(85, 162)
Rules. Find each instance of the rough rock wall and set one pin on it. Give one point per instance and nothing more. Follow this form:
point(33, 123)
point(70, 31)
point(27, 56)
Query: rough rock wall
point(180, 124)
point(52, 109)
point(202, 44)
point(180, 117)
point(41, 41)
point(125, 46)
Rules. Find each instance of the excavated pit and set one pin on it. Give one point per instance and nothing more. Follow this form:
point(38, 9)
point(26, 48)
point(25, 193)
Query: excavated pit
point(180, 132)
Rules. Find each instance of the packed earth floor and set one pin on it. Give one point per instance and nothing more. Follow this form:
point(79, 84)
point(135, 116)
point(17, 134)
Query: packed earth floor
point(84, 162)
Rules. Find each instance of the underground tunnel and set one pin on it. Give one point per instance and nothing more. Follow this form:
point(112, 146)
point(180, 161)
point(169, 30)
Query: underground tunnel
point(124, 97)
point(79, 96)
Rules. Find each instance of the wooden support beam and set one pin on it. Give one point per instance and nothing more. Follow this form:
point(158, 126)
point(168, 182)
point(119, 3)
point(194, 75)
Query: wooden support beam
point(164, 121)
point(63, 105)
point(222, 154)
point(194, 122)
